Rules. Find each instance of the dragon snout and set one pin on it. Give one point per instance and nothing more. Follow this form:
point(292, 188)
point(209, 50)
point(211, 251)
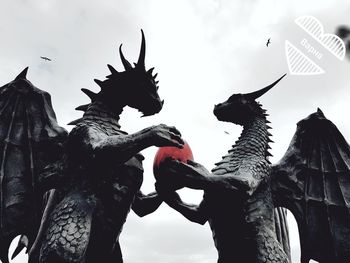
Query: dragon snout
point(217, 109)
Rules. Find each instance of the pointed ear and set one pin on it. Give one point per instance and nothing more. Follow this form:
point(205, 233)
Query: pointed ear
point(23, 74)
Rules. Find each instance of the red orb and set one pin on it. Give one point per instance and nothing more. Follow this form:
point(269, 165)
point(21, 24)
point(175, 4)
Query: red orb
point(181, 154)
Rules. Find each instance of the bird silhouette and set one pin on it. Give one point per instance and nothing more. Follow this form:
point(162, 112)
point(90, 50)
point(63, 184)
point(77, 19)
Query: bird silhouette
point(268, 42)
point(46, 58)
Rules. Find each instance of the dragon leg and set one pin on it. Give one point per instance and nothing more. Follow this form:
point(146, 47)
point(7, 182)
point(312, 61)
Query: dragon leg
point(67, 237)
point(269, 249)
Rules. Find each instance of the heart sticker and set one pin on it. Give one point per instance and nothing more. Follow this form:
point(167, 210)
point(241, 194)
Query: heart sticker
point(298, 62)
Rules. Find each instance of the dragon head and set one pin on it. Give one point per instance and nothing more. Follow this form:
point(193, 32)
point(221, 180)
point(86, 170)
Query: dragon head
point(135, 87)
point(240, 108)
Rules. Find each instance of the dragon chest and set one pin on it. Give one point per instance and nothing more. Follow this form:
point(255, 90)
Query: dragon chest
point(127, 179)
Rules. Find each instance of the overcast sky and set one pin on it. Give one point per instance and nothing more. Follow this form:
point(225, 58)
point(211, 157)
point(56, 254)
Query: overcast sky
point(204, 51)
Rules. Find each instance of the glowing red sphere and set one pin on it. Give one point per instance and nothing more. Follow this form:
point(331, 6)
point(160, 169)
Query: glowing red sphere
point(181, 154)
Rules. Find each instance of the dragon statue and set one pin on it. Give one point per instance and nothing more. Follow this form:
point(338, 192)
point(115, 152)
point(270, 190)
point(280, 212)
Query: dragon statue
point(312, 180)
point(68, 195)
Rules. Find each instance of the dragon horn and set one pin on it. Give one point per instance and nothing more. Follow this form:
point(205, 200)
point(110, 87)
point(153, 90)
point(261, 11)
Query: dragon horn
point(23, 74)
point(141, 61)
point(256, 94)
point(126, 63)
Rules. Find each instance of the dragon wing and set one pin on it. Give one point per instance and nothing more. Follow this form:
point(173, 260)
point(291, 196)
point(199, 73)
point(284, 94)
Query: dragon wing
point(29, 140)
point(312, 180)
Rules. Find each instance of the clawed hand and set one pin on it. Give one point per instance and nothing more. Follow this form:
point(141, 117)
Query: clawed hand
point(163, 135)
point(182, 170)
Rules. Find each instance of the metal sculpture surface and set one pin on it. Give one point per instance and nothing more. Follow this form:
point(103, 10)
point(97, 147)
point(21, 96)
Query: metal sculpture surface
point(312, 180)
point(89, 178)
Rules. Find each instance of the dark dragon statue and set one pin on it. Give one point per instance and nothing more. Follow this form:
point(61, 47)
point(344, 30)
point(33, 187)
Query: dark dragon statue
point(241, 193)
point(68, 195)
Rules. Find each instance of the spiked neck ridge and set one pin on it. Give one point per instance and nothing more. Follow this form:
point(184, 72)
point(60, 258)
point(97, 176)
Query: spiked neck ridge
point(254, 139)
point(97, 111)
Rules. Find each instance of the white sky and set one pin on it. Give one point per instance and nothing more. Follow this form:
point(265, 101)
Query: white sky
point(204, 51)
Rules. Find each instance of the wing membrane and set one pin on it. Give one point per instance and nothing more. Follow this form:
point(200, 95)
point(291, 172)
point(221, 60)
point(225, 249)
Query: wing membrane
point(313, 181)
point(30, 138)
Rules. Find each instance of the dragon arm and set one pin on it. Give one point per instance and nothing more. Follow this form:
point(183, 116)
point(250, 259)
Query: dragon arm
point(146, 204)
point(123, 147)
point(194, 213)
point(196, 176)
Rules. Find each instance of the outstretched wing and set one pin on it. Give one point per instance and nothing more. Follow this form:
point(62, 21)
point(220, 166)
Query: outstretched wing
point(29, 139)
point(312, 180)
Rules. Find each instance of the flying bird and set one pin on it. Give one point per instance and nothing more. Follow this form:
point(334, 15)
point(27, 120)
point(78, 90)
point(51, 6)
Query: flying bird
point(46, 58)
point(268, 42)
point(226, 132)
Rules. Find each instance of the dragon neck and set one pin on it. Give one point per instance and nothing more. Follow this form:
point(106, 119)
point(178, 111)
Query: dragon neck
point(254, 139)
point(98, 112)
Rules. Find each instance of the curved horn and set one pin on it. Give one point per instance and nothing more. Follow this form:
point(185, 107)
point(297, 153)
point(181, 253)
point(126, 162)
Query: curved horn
point(126, 63)
point(256, 94)
point(141, 61)
point(23, 74)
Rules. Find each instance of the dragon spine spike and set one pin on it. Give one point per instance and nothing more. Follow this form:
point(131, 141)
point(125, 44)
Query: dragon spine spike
point(155, 75)
point(319, 111)
point(150, 71)
point(256, 94)
point(112, 69)
point(269, 140)
point(90, 94)
point(99, 82)
point(126, 63)
point(141, 60)
point(75, 122)
point(23, 74)
point(83, 107)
